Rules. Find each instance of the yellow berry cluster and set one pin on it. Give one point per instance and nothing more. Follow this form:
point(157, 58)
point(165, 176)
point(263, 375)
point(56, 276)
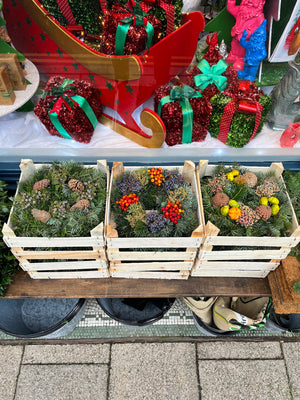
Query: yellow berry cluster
point(271, 200)
point(156, 176)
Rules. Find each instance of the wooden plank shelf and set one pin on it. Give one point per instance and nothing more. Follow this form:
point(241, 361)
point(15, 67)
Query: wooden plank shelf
point(25, 287)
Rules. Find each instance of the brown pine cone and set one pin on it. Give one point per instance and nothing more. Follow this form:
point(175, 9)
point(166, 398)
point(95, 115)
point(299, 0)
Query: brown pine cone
point(81, 204)
point(40, 215)
point(264, 212)
point(40, 185)
point(75, 184)
point(250, 179)
point(220, 200)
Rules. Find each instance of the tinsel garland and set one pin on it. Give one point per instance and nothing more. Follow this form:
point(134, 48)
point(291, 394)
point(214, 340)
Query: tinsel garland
point(238, 191)
point(87, 13)
point(58, 198)
point(153, 202)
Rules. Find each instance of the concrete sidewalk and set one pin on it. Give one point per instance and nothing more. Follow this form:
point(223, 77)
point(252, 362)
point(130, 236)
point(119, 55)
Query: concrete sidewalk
point(211, 370)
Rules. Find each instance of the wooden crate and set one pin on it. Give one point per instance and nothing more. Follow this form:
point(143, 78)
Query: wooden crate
point(153, 264)
point(62, 263)
point(254, 263)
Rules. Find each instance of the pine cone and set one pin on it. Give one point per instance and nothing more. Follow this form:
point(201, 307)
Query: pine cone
point(75, 184)
point(250, 179)
point(40, 215)
point(40, 185)
point(220, 200)
point(81, 205)
point(264, 212)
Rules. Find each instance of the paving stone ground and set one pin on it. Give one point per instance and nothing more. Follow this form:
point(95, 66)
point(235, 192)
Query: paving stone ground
point(210, 370)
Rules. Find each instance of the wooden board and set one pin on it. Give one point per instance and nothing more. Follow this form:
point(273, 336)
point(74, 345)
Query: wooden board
point(25, 287)
point(286, 300)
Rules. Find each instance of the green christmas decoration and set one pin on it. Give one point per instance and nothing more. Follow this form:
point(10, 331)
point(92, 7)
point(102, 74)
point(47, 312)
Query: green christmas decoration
point(246, 216)
point(242, 124)
point(8, 264)
point(56, 209)
point(153, 203)
point(87, 13)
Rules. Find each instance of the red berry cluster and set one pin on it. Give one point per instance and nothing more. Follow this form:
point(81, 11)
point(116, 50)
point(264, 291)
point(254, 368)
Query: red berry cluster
point(126, 200)
point(173, 211)
point(156, 176)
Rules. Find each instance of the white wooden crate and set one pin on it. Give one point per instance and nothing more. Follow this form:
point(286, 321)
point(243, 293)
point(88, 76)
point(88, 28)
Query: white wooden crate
point(153, 264)
point(255, 263)
point(62, 263)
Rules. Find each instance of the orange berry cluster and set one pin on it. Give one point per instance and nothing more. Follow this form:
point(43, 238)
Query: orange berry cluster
point(173, 211)
point(126, 200)
point(156, 176)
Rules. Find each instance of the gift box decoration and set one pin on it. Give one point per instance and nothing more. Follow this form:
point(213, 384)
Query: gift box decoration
point(185, 113)
point(237, 117)
point(127, 32)
point(69, 109)
point(211, 79)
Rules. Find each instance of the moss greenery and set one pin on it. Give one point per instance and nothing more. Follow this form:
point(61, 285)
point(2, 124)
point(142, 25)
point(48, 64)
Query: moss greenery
point(57, 199)
point(276, 225)
point(145, 218)
point(8, 263)
point(292, 181)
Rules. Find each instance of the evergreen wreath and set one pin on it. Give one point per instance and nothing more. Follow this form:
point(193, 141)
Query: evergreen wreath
point(153, 203)
point(8, 263)
point(62, 200)
point(241, 203)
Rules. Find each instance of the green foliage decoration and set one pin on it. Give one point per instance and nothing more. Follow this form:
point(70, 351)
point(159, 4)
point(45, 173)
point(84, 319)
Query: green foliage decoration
point(152, 198)
point(292, 181)
point(57, 199)
point(8, 263)
point(276, 225)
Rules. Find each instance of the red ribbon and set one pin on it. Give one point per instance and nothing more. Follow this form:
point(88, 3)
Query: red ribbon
point(241, 105)
point(66, 11)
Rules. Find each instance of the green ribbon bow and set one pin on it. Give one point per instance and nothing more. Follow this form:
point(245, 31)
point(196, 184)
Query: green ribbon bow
point(64, 94)
point(122, 29)
point(182, 94)
point(211, 74)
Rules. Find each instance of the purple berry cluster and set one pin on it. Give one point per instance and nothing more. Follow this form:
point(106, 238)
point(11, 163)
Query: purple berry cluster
point(173, 179)
point(129, 185)
point(155, 221)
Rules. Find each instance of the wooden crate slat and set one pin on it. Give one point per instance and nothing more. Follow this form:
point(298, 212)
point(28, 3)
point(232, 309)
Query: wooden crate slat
point(70, 275)
point(149, 242)
point(230, 273)
point(151, 255)
point(246, 266)
point(150, 275)
point(152, 266)
point(45, 266)
point(243, 254)
point(266, 241)
point(59, 255)
point(31, 242)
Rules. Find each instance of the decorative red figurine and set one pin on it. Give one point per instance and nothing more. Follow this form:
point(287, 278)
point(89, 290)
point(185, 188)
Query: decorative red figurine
point(249, 15)
point(291, 135)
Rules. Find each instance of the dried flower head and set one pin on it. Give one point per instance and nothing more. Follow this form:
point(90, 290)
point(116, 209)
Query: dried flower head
point(250, 179)
point(248, 216)
point(267, 189)
point(217, 183)
point(220, 199)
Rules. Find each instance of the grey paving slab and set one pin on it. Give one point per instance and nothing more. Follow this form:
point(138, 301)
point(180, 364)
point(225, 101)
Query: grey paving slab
point(244, 350)
point(62, 382)
point(66, 354)
point(291, 353)
point(10, 358)
point(243, 380)
point(160, 371)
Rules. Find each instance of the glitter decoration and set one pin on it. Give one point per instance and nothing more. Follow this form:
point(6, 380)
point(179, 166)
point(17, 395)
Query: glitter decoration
point(73, 119)
point(155, 221)
point(171, 115)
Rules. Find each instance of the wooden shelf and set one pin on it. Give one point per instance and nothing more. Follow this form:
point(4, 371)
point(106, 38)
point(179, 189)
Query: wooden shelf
point(25, 287)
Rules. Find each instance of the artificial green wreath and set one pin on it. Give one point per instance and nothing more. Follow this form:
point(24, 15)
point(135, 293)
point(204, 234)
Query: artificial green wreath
point(62, 200)
point(241, 203)
point(153, 203)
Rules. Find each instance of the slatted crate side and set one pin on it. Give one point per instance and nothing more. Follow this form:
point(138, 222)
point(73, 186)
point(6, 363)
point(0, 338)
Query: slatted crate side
point(92, 247)
point(209, 257)
point(152, 264)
